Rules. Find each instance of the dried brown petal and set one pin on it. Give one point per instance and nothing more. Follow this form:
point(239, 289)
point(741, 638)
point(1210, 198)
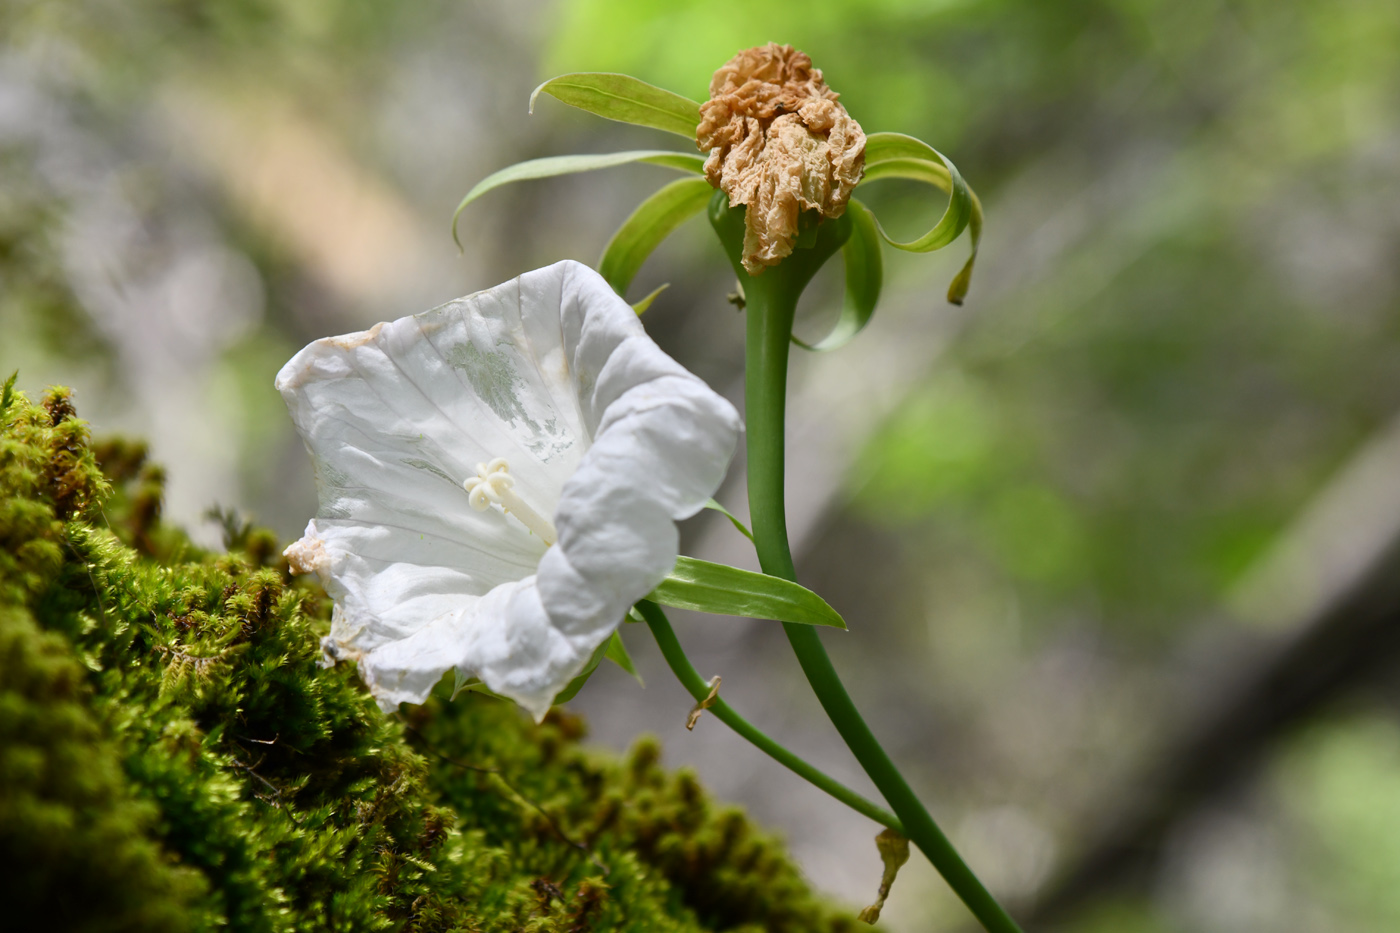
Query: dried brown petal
point(779, 144)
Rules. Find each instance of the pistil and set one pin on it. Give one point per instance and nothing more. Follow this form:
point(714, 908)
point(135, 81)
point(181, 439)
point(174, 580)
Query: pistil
point(494, 484)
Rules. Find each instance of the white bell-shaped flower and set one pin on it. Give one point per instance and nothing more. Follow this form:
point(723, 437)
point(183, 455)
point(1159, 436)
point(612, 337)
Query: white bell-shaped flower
point(500, 479)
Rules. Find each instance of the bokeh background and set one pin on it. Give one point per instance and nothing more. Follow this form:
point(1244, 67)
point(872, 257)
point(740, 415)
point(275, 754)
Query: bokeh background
point(1116, 540)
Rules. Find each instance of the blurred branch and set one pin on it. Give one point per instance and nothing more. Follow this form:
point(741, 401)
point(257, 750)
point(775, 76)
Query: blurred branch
point(1340, 565)
point(299, 183)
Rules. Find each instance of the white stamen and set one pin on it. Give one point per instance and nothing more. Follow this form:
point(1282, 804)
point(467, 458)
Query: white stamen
point(493, 483)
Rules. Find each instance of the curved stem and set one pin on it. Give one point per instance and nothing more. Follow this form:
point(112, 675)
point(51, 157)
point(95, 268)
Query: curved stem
point(770, 308)
point(695, 685)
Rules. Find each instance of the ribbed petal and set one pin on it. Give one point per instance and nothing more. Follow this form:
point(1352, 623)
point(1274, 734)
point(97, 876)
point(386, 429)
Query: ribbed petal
point(553, 372)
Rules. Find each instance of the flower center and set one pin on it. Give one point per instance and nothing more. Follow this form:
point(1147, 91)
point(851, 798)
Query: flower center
point(493, 483)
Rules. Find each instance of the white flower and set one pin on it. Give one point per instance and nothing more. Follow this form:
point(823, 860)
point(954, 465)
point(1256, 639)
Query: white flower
point(441, 443)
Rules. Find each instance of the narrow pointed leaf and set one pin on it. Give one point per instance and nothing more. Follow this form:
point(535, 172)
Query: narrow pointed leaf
point(650, 223)
point(864, 278)
point(898, 156)
point(723, 590)
point(616, 652)
point(462, 684)
point(570, 164)
point(743, 529)
point(575, 685)
point(957, 290)
point(641, 306)
point(625, 99)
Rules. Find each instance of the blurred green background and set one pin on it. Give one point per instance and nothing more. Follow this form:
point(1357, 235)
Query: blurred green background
point(1075, 524)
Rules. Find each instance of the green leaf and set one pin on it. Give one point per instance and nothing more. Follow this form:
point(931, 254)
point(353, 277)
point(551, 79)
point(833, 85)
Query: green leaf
point(650, 223)
point(462, 684)
point(625, 99)
point(569, 164)
point(641, 306)
point(864, 276)
point(918, 169)
point(894, 155)
point(896, 147)
point(957, 289)
point(717, 588)
point(743, 529)
point(616, 652)
point(889, 147)
point(9, 392)
point(575, 685)
point(935, 174)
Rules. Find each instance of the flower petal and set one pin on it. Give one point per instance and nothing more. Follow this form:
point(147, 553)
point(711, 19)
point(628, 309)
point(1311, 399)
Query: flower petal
point(553, 372)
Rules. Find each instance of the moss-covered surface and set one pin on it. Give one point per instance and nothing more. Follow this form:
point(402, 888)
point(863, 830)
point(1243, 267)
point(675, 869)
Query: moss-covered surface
point(172, 758)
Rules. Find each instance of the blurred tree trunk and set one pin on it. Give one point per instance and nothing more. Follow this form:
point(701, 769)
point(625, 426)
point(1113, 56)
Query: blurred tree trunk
point(1342, 641)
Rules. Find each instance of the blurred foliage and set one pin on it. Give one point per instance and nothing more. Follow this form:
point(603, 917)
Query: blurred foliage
point(874, 52)
point(1341, 780)
point(37, 304)
point(173, 757)
point(1121, 918)
point(140, 40)
point(1206, 345)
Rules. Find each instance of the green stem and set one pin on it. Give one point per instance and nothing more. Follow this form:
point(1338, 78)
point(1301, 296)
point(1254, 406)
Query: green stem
point(771, 302)
point(696, 686)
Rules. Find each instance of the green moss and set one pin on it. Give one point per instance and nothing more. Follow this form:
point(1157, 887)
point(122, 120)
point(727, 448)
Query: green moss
point(173, 758)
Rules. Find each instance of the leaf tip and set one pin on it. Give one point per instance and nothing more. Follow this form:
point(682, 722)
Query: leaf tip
point(534, 95)
point(461, 250)
point(957, 289)
point(645, 303)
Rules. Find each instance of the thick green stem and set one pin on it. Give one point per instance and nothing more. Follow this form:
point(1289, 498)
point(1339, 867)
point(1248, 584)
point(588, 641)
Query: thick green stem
point(771, 302)
point(696, 686)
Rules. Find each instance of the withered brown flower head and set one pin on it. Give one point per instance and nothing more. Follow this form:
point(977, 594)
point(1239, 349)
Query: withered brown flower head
point(779, 144)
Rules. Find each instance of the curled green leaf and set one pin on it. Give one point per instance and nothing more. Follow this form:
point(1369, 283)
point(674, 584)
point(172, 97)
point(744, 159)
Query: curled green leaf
point(724, 590)
point(625, 99)
point(650, 223)
point(570, 164)
point(890, 147)
point(957, 289)
point(864, 278)
point(894, 155)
